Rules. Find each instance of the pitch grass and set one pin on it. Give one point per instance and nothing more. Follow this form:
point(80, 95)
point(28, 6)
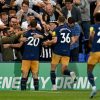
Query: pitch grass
point(47, 95)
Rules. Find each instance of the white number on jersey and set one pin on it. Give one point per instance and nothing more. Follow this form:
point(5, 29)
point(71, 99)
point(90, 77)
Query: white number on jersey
point(33, 41)
point(98, 34)
point(65, 38)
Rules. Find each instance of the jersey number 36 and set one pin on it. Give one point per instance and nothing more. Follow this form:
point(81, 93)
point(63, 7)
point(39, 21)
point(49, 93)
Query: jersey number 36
point(65, 38)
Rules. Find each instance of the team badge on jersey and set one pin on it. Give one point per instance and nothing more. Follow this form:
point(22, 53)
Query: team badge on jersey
point(54, 34)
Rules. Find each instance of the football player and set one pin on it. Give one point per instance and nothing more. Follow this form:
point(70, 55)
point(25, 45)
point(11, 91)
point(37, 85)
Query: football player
point(30, 59)
point(61, 40)
point(94, 57)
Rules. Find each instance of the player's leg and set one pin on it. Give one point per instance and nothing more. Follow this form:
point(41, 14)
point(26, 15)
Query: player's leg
point(92, 60)
point(65, 70)
point(91, 79)
point(35, 68)
point(54, 62)
point(25, 69)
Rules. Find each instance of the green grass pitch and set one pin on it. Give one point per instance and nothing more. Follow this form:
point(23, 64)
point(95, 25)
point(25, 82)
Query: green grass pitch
point(47, 95)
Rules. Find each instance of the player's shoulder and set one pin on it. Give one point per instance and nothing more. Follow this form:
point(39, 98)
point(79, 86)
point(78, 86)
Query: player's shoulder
point(94, 27)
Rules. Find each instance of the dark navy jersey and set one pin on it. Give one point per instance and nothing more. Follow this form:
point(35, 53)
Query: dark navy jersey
point(31, 46)
point(96, 39)
point(62, 47)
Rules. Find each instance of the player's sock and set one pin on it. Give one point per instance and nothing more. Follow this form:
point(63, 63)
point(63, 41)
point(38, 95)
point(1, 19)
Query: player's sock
point(66, 72)
point(91, 78)
point(23, 83)
point(94, 91)
point(72, 74)
point(54, 87)
point(53, 77)
point(36, 84)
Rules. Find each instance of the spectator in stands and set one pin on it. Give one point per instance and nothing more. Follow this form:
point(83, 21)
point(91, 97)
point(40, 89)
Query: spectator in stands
point(4, 18)
point(29, 18)
point(75, 33)
point(8, 39)
point(69, 10)
point(50, 14)
point(2, 3)
point(14, 22)
point(2, 25)
point(85, 14)
point(22, 13)
point(12, 13)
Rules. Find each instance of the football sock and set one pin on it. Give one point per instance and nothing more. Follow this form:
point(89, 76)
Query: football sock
point(36, 84)
point(91, 78)
point(66, 72)
point(23, 83)
point(53, 77)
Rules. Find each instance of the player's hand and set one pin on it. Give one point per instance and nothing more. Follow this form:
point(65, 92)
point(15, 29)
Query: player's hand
point(46, 43)
point(21, 12)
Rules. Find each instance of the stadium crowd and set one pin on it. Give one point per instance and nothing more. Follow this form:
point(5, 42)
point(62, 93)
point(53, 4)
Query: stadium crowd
point(16, 15)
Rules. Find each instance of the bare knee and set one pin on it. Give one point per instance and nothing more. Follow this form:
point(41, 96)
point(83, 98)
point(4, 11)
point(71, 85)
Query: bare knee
point(90, 67)
point(53, 67)
point(24, 74)
point(35, 75)
point(64, 67)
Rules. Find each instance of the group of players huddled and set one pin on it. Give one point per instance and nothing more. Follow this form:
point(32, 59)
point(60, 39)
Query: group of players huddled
point(60, 41)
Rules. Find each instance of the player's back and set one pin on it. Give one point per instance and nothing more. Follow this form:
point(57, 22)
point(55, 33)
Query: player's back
point(62, 47)
point(96, 39)
point(31, 46)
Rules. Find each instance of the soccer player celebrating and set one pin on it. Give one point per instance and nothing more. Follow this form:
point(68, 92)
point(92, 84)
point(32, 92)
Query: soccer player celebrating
point(95, 51)
point(30, 56)
point(61, 50)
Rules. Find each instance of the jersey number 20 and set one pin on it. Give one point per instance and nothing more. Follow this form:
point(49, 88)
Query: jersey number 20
point(33, 41)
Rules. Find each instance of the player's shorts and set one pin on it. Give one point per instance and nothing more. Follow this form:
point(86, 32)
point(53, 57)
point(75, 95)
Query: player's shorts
point(94, 58)
point(29, 64)
point(56, 59)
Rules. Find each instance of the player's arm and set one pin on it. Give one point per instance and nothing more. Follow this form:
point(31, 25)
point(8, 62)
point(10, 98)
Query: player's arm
point(50, 42)
point(97, 9)
point(17, 45)
point(53, 41)
point(74, 39)
point(38, 36)
point(9, 39)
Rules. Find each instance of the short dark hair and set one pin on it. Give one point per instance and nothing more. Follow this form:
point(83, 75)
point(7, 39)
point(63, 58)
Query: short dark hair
point(61, 19)
point(71, 20)
point(97, 17)
point(71, 1)
point(26, 2)
point(33, 23)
